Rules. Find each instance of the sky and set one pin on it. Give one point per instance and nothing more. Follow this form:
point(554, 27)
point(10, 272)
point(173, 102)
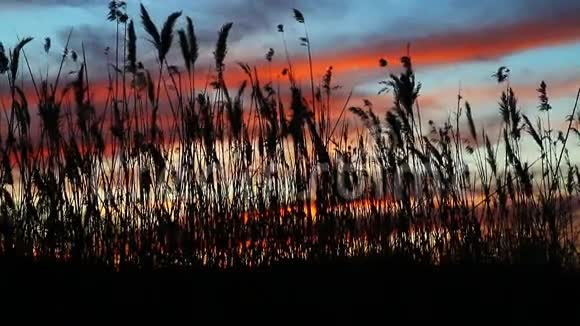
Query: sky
point(455, 44)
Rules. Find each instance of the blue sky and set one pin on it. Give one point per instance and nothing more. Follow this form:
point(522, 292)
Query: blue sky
point(454, 42)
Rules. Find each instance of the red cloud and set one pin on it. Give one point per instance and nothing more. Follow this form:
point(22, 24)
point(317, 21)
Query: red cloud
point(453, 47)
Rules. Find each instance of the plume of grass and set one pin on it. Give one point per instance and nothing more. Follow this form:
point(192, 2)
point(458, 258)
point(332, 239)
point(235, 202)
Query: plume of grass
point(184, 44)
point(235, 113)
point(15, 58)
point(47, 44)
point(131, 48)
point(150, 27)
point(167, 35)
point(491, 159)
point(502, 74)
point(192, 40)
point(4, 61)
point(221, 48)
point(298, 16)
point(116, 10)
point(532, 131)
point(162, 41)
point(270, 55)
point(543, 96)
point(470, 122)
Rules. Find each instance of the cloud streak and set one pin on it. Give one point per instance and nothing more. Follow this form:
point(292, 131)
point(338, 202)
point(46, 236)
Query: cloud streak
point(457, 46)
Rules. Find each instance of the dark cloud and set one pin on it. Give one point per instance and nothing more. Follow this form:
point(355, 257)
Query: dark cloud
point(253, 16)
point(249, 17)
point(515, 19)
point(95, 40)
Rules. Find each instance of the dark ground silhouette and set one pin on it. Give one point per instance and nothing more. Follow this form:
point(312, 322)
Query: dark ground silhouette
point(357, 291)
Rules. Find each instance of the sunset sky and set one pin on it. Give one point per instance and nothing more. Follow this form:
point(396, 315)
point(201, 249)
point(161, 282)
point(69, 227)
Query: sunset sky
point(119, 159)
point(453, 43)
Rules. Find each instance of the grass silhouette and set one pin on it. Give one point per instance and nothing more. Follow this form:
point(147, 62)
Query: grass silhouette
point(238, 180)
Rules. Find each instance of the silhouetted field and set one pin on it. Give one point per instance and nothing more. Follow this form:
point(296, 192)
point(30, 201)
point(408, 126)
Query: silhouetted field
point(368, 290)
point(169, 173)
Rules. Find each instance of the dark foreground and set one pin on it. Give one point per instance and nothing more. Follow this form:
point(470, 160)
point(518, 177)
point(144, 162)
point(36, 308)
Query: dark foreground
point(345, 291)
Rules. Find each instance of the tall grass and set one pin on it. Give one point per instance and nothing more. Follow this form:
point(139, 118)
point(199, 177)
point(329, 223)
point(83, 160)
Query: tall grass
point(238, 179)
